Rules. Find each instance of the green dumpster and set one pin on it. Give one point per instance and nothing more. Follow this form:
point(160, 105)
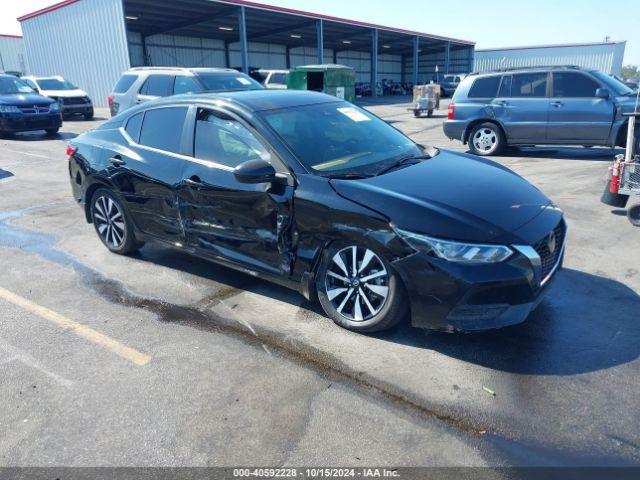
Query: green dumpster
point(336, 80)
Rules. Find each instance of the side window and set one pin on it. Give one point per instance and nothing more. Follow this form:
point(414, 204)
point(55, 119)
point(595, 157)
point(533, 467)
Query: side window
point(124, 84)
point(162, 128)
point(278, 79)
point(486, 87)
point(505, 87)
point(133, 126)
point(574, 85)
point(157, 86)
point(221, 139)
point(31, 84)
point(185, 85)
point(529, 85)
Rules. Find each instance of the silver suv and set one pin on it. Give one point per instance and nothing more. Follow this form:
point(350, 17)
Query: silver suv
point(142, 84)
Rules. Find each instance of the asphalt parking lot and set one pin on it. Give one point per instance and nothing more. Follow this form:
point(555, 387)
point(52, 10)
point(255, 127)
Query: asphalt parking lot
point(160, 359)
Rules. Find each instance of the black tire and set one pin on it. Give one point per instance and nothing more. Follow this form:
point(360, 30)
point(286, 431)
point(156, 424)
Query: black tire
point(112, 223)
point(417, 113)
point(387, 311)
point(490, 142)
point(633, 214)
point(613, 199)
point(89, 115)
point(52, 131)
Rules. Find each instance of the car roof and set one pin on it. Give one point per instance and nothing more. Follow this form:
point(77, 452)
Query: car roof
point(180, 69)
point(254, 100)
point(532, 69)
point(51, 77)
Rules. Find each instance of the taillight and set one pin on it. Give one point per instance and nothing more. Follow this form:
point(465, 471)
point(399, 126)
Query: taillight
point(110, 100)
point(452, 111)
point(71, 150)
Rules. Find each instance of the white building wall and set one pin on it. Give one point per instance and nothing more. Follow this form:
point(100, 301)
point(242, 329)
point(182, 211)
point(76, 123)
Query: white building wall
point(12, 56)
point(606, 57)
point(85, 42)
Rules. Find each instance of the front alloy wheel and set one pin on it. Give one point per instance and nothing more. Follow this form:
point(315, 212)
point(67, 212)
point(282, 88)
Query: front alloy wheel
point(359, 291)
point(112, 224)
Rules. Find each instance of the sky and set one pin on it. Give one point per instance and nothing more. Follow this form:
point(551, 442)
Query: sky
point(492, 23)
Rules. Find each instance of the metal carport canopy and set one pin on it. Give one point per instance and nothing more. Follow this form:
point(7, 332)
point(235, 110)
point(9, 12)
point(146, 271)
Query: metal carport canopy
point(223, 20)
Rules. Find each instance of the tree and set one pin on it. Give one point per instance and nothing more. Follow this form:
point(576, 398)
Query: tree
point(630, 71)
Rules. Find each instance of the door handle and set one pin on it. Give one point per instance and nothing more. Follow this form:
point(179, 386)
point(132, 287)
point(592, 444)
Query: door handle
point(557, 104)
point(194, 181)
point(117, 161)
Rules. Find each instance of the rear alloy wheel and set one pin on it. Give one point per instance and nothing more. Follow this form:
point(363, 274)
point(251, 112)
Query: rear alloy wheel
point(486, 139)
point(359, 291)
point(112, 224)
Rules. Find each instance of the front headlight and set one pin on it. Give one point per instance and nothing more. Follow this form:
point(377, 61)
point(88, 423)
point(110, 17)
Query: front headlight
point(54, 107)
point(9, 109)
point(456, 251)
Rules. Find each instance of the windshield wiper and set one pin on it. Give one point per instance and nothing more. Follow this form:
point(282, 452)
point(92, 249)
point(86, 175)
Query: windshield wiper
point(402, 162)
point(349, 176)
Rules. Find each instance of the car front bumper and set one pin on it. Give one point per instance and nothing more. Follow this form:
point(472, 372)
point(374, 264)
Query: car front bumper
point(29, 123)
point(455, 297)
point(85, 108)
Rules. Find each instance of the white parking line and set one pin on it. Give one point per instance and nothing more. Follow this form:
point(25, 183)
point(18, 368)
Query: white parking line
point(25, 153)
point(16, 354)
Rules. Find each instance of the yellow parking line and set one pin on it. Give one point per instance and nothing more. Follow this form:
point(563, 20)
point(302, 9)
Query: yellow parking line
point(83, 331)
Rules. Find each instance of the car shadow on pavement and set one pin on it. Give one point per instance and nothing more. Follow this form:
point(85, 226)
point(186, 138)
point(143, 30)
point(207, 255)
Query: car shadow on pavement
point(563, 153)
point(585, 324)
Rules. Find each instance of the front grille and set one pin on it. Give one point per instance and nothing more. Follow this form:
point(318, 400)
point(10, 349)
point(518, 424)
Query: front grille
point(550, 258)
point(75, 101)
point(35, 109)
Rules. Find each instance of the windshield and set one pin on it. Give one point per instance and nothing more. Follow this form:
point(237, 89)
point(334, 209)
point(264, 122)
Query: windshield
point(217, 82)
point(10, 85)
point(55, 84)
point(339, 138)
point(614, 85)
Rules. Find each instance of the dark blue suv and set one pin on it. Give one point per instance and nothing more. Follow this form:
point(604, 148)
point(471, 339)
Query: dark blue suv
point(23, 110)
point(539, 106)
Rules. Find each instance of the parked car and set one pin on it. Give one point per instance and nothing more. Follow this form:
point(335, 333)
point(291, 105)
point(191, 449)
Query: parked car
point(539, 106)
point(142, 84)
point(72, 100)
point(449, 84)
point(274, 79)
point(24, 110)
point(314, 193)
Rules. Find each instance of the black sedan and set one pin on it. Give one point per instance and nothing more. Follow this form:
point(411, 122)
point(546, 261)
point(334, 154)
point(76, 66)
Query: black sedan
point(319, 195)
point(23, 110)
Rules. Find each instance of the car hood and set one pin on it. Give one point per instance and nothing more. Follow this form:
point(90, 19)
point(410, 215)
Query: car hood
point(454, 196)
point(627, 103)
point(64, 93)
point(24, 99)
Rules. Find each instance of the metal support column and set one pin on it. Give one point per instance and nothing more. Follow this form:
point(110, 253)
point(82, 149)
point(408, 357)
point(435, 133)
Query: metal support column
point(416, 59)
point(227, 60)
point(471, 59)
point(244, 47)
point(145, 53)
point(447, 57)
point(320, 40)
point(288, 57)
point(403, 66)
point(374, 62)
point(335, 56)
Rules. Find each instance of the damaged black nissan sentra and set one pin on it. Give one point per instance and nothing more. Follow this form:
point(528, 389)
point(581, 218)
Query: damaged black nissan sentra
point(319, 195)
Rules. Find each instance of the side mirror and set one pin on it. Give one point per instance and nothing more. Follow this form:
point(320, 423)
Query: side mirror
point(255, 171)
point(603, 93)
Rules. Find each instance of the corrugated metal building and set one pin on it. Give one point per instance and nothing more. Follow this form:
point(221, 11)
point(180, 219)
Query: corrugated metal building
point(607, 57)
point(12, 54)
point(91, 42)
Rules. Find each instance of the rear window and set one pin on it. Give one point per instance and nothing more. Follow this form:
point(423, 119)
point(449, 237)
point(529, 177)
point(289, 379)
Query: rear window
point(124, 84)
point(486, 87)
point(529, 85)
point(221, 81)
point(158, 86)
point(278, 79)
point(162, 128)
